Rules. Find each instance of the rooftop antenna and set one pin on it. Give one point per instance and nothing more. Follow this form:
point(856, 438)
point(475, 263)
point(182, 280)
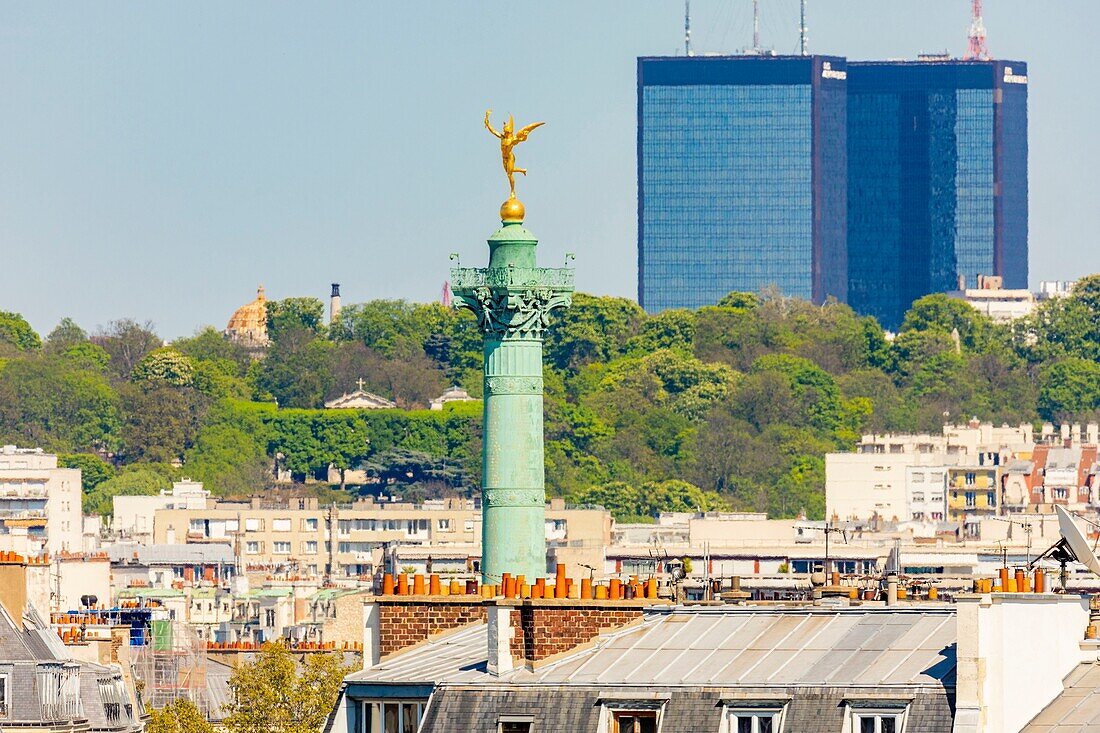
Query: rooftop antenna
point(805, 43)
point(687, 28)
point(976, 50)
point(1071, 547)
point(756, 25)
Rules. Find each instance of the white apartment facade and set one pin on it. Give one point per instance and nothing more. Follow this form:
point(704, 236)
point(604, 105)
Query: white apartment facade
point(39, 503)
point(926, 493)
point(133, 515)
point(898, 477)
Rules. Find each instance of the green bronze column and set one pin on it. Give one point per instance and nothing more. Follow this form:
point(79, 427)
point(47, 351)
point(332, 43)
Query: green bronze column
point(512, 299)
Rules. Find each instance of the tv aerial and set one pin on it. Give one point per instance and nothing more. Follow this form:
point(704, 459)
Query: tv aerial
point(1072, 547)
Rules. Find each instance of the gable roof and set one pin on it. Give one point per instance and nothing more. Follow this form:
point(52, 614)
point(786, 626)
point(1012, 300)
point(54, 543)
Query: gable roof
point(360, 399)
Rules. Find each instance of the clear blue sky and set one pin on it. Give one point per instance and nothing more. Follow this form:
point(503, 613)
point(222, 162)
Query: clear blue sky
point(162, 159)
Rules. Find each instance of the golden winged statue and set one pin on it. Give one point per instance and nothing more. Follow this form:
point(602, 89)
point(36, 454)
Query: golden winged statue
point(508, 141)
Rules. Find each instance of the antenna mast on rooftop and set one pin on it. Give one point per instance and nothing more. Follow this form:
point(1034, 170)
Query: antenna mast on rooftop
point(687, 27)
point(755, 25)
point(804, 42)
point(976, 50)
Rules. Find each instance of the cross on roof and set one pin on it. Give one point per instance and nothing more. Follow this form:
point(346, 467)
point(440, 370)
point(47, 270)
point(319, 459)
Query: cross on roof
point(360, 383)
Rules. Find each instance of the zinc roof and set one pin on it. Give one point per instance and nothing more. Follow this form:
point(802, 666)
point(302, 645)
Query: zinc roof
point(203, 554)
point(1076, 709)
point(718, 647)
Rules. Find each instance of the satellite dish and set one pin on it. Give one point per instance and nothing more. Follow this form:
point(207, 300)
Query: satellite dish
point(1078, 545)
point(1072, 547)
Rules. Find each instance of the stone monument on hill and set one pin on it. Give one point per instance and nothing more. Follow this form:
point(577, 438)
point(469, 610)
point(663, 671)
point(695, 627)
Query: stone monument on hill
point(512, 299)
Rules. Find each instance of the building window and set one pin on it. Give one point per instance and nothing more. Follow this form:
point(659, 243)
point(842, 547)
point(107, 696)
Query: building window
point(280, 525)
point(309, 547)
point(971, 479)
point(269, 616)
point(918, 497)
point(1059, 493)
point(253, 525)
point(197, 526)
point(444, 525)
point(918, 478)
point(990, 499)
point(753, 720)
point(937, 516)
point(516, 724)
point(877, 722)
point(232, 525)
point(469, 525)
point(253, 548)
point(971, 500)
point(918, 516)
point(634, 721)
point(309, 525)
point(281, 548)
point(4, 702)
point(392, 716)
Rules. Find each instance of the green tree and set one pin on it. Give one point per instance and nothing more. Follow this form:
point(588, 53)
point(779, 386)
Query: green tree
point(179, 716)
point(1069, 390)
point(86, 356)
point(230, 451)
point(592, 329)
point(275, 695)
point(46, 402)
point(209, 345)
point(159, 423)
point(943, 314)
point(93, 469)
point(64, 335)
point(297, 371)
point(126, 343)
point(739, 300)
point(143, 481)
point(15, 331)
point(165, 366)
point(295, 314)
point(671, 329)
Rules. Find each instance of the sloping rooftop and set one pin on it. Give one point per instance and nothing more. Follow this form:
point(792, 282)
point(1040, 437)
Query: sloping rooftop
point(717, 647)
point(1076, 709)
point(211, 553)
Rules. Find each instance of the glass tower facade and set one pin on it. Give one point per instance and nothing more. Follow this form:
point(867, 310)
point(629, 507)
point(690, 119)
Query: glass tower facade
point(937, 179)
point(741, 178)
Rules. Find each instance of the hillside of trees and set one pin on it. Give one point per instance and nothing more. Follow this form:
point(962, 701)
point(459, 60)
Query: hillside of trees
point(730, 406)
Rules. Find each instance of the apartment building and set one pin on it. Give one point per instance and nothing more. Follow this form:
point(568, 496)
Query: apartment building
point(926, 493)
point(39, 503)
point(356, 540)
point(133, 515)
point(883, 478)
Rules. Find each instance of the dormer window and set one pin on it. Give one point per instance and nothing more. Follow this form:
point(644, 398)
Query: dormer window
point(631, 715)
point(877, 716)
point(753, 716)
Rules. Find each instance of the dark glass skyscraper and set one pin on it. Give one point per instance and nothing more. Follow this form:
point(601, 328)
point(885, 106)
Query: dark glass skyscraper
point(741, 178)
point(937, 179)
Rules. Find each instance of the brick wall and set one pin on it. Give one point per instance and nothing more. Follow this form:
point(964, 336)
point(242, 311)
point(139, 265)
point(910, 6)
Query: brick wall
point(404, 621)
point(546, 628)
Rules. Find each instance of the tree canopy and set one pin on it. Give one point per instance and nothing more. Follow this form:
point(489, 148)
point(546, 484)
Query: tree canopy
point(729, 406)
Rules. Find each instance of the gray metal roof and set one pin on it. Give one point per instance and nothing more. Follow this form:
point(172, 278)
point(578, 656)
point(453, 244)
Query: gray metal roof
point(190, 554)
point(1077, 708)
point(749, 646)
